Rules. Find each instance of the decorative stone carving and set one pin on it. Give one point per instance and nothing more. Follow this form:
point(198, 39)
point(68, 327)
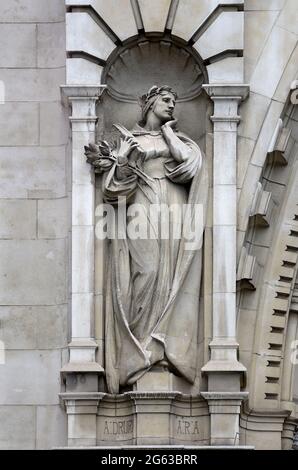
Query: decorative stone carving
point(153, 279)
point(262, 207)
point(156, 60)
point(278, 154)
point(248, 270)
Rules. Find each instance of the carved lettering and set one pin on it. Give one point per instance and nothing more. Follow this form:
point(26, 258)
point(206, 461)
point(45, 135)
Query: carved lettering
point(106, 429)
point(187, 427)
point(118, 427)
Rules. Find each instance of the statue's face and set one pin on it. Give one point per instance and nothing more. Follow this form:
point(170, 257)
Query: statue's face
point(164, 106)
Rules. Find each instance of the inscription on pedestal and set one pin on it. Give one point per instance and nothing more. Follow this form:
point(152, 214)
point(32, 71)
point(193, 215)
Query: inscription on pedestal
point(116, 428)
point(187, 427)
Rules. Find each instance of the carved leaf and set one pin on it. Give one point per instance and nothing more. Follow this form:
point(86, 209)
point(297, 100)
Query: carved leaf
point(100, 156)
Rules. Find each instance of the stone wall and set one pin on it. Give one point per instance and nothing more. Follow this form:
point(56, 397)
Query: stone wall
point(34, 223)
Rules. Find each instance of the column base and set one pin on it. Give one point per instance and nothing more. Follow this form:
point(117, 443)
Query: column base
point(82, 358)
point(81, 409)
point(224, 408)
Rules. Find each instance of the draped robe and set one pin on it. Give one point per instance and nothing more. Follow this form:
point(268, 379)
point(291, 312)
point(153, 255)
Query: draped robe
point(153, 284)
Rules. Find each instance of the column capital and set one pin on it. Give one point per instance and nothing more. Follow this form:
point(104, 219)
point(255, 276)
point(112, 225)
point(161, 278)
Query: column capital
point(230, 397)
point(219, 91)
point(226, 100)
point(72, 92)
point(81, 403)
point(83, 99)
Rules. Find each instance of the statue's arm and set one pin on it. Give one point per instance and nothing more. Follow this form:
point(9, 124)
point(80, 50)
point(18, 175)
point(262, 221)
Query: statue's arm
point(178, 149)
point(118, 182)
point(187, 154)
point(121, 180)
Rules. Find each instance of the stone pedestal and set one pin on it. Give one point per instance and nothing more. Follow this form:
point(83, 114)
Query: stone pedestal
point(266, 429)
point(152, 418)
point(159, 379)
point(224, 411)
point(81, 409)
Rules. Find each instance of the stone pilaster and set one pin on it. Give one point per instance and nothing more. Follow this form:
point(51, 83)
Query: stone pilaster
point(82, 348)
point(82, 371)
point(223, 369)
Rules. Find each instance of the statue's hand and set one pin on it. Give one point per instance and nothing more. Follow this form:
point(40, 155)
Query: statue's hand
point(169, 125)
point(127, 145)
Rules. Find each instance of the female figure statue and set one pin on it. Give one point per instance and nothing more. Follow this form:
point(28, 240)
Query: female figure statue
point(153, 283)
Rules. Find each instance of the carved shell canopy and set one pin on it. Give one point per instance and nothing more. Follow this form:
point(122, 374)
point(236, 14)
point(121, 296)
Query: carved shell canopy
point(135, 69)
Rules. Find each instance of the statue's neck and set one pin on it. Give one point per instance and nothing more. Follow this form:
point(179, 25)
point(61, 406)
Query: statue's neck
point(153, 123)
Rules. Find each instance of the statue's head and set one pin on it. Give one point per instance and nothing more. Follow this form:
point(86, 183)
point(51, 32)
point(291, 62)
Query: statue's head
point(160, 101)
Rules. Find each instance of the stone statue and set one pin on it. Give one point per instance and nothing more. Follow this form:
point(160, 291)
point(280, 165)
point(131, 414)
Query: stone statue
point(153, 282)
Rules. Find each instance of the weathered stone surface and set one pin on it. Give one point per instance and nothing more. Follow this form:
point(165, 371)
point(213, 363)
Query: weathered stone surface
point(264, 4)
point(82, 71)
point(266, 133)
point(191, 14)
point(154, 14)
point(43, 282)
point(17, 429)
point(25, 171)
point(51, 427)
point(82, 204)
point(33, 11)
point(244, 152)
point(124, 25)
point(212, 41)
point(33, 327)
point(256, 106)
point(274, 57)
point(31, 378)
point(51, 47)
point(17, 219)
point(287, 18)
point(289, 74)
point(82, 305)
point(83, 272)
point(54, 124)
point(18, 45)
point(246, 325)
point(258, 25)
point(224, 280)
point(19, 124)
point(53, 218)
point(229, 70)
point(83, 34)
point(41, 85)
point(227, 193)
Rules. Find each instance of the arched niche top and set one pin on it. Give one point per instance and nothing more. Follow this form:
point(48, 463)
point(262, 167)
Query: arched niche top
point(154, 60)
